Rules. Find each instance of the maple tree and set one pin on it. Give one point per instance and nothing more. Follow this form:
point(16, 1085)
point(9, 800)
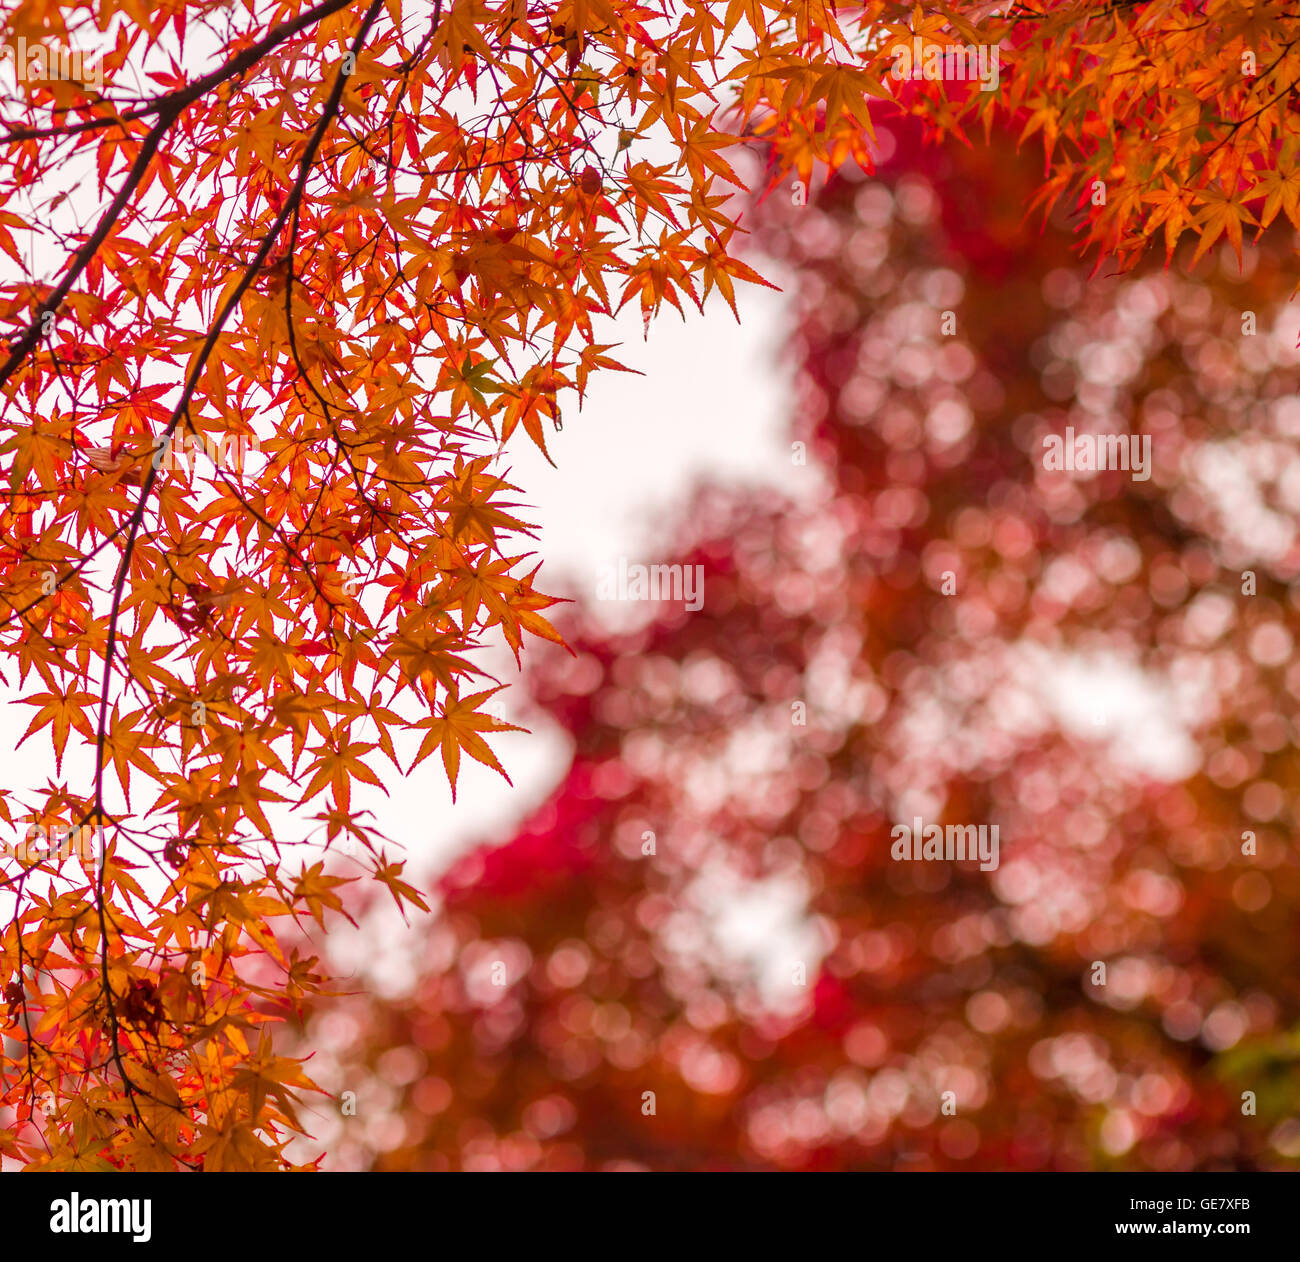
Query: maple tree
point(269, 326)
point(707, 956)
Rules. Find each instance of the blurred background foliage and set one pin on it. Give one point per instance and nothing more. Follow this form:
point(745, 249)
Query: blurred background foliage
point(1109, 677)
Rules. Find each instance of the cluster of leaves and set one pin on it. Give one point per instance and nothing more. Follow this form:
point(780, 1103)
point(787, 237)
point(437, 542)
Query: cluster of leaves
point(374, 239)
point(652, 923)
point(379, 238)
point(1165, 119)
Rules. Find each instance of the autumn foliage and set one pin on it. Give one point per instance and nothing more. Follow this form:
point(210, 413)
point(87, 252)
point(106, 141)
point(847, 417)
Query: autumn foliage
point(282, 282)
point(710, 959)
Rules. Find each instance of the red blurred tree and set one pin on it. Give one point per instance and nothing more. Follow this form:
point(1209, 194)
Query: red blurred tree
point(924, 620)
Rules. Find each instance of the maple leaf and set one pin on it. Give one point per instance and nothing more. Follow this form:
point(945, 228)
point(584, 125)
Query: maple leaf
point(458, 728)
point(390, 875)
point(62, 714)
point(1220, 213)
